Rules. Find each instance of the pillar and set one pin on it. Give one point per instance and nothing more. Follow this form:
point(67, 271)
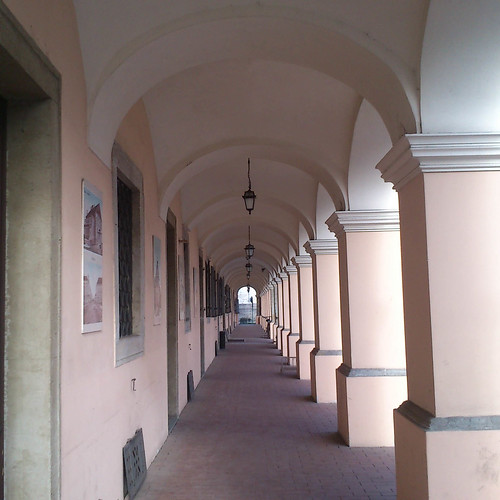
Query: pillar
point(326, 356)
point(448, 431)
point(279, 295)
point(371, 380)
point(294, 335)
point(286, 313)
point(274, 309)
point(305, 343)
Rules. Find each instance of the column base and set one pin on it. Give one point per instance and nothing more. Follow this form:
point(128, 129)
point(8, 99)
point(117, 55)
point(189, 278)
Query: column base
point(274, 327)
point(304, 348)
point(279, 336)
point(284, 343)
point(453, 457)
point(291, 342)
point(324, 364)
point(366, 398)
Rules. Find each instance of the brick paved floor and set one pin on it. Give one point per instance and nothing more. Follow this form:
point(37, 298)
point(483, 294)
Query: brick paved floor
point(254, 433)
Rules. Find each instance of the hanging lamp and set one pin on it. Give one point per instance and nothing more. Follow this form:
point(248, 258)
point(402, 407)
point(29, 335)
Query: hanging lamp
point(249, 195)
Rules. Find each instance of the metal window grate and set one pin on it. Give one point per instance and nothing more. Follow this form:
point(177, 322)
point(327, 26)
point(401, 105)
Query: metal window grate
point(134, 465)
point(125, 246)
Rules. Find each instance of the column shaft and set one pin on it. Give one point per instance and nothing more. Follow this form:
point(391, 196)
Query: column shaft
point(448, 432)
point(326, 356)
point(371, 380)
point(305, 343)
point(294, 335)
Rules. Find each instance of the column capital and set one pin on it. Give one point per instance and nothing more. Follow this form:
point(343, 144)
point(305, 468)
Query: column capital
point(291, 270)
point(414, 154)
point(283, 276)
point(277, 280)
point(302, 261)
point(322, 247)
point(356, 221)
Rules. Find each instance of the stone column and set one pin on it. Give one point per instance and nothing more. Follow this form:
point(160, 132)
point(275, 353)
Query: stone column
point(274, 313)
point(371, 381)
point(305, 343)
point(326, 356)
point(286, 313)
point(448, 432)
point(294, 335)
point(279, 326)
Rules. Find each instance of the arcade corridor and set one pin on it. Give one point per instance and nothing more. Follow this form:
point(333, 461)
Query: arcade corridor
point(339, 158)
point(253, 432)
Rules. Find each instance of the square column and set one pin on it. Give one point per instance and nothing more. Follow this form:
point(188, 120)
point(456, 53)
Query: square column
point(274, 312)
point(286, 313)
point(448, 432)
point(279, 296)
point(371, 381)
point(326, 356)
point(305, 343)
point(293, 286)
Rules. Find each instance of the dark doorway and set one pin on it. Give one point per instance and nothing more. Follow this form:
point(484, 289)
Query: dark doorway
point(202, 316)
point(3, 161)
point(172, 330)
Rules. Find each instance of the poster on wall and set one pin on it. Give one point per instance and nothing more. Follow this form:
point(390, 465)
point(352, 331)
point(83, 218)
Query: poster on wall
point(92, 258)
point(156, 280)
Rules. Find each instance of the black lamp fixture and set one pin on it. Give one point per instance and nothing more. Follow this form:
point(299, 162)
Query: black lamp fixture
point(249, 267)
point(249, 195)
point(249, 249)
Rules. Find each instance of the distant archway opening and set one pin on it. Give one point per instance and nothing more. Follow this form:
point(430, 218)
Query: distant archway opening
point(247, 305)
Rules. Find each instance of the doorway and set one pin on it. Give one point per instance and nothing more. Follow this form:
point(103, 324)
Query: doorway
point(172, 327)
point(3, 152)
point(202, 316)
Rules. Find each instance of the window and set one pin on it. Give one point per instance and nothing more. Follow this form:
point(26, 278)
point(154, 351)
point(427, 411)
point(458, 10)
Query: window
point(187, 283)
point(129, 251)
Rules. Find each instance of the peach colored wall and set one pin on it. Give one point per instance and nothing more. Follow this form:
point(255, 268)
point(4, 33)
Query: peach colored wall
point(416, 293)
point(99, 410)
point(379, 272)
point(328, 302)
point(473, 291)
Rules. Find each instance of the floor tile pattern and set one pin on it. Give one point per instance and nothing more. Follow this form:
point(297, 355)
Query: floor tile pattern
point(252, 432)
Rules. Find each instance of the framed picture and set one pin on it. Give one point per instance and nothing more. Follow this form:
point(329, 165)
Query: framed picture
point(156, 280)
point(92, 258)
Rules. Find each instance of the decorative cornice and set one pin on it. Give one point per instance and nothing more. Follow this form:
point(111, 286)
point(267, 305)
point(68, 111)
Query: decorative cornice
point(355, 221)
point(414, 154)
point(322, 247)
point(302, 261)
point(291, 270)
point(277, 280)
point(283, 276)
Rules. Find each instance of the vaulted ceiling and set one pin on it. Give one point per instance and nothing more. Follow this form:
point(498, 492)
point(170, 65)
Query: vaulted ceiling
point(281, 83)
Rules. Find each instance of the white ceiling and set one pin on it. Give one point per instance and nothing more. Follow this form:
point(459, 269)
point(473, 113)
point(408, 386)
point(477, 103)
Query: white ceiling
point(279, 82)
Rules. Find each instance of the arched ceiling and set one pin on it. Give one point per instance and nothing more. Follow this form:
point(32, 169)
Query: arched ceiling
point(226, 80)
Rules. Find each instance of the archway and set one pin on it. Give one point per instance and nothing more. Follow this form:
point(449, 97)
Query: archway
point(247, 305)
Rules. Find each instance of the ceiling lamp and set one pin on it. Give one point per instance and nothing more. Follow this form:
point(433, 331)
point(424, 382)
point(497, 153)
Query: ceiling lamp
point(249, 249)
point(249, 267)
point(249, 195)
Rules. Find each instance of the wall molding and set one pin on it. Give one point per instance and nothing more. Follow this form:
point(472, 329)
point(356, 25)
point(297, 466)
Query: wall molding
point(355, 221)
point(414, 154)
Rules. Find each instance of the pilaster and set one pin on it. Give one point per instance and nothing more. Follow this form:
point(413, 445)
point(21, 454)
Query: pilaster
point(371, 380)
point(286, 313)
point(326, 356)
point(294, 335)
point(305, 343)
point(449, 428)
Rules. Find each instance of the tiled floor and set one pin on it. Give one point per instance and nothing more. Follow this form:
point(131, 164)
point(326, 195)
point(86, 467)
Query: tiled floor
point(252, 432)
